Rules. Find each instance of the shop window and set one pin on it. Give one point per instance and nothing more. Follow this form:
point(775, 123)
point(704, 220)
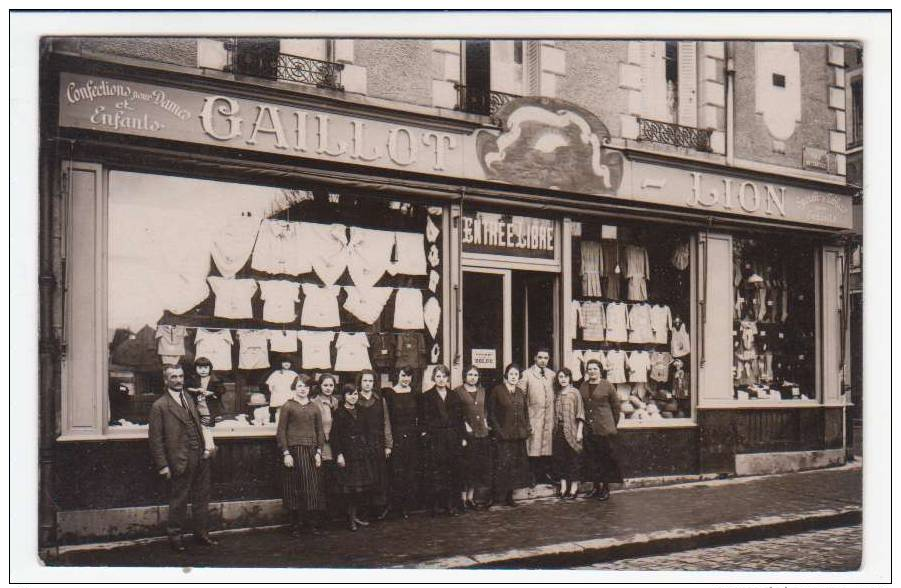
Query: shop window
point(774, 321)
point(631, 309)
point(250, 277)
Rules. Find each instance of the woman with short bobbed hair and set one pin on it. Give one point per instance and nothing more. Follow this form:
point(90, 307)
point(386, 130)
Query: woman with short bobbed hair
point(354, 455)
point(442, 423)
point(475, 463)
point(402, 403)
point(601, 416)
point(508, 420)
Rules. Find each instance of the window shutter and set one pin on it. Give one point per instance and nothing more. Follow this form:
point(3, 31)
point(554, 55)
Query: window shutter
point(688, 84)
point(653, 95)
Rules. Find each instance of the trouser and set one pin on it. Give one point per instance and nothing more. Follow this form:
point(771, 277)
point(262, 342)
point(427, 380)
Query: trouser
point(193, 484)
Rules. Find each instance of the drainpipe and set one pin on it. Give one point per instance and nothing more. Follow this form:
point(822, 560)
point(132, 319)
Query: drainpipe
point(730, 102)
point(458, 287)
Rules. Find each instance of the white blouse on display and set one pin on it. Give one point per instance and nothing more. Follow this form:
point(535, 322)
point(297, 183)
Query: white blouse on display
point(280, 298)
point(434, 278)
point(316, 349)
point(615, 364)
point(253, 353)
point(279, 249)
point(320, 306)
point(408, 312)
point(232, 246)
point(661, 323)
point(352, 352)
point(280, 383)
point(326, 245)
point(640, 324)
point(368, 255)
point(282, 341)
point(639, 363)
point(366, 303)
point(680, 345)
point(617, 322)
point(574, 363)
point(233, 297)
point(216, 346)
point(411, 259)
point(431, 230)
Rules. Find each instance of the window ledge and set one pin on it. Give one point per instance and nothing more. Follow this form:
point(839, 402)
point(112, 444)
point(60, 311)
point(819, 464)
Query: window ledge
point(760, 404)
point(657, 424)
point(137, 434)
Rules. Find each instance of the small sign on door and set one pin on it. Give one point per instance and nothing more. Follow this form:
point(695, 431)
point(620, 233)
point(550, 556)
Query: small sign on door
point(484, 358)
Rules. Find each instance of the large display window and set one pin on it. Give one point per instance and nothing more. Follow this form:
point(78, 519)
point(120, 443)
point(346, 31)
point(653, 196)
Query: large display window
point(774, 320)
point(631, 309)
point(261, 284)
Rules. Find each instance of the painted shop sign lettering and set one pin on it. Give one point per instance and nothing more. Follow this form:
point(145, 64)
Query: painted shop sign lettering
point(498, 234)
point(117, 106)
point(736, 195)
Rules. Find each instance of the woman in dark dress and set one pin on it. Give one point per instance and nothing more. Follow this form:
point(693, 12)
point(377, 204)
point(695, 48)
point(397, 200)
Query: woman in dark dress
point(508, 420)
point(378, 428)
point(570, 418)
point(354, 455)
point(300, 438)
point(326, 399)
point(475, 464)
point(442, 422)
point(403, 413)
point(601, 416)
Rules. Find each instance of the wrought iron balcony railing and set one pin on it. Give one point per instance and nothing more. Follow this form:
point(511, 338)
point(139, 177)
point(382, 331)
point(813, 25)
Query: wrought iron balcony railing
point(322, 74)
point(673, 134)
point(291, 68)
point(481, 100)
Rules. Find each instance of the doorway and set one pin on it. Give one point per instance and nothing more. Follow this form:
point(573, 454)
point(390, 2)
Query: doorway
point(507, 316)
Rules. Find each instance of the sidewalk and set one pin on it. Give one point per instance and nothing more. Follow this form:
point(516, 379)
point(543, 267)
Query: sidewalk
point(542, 533)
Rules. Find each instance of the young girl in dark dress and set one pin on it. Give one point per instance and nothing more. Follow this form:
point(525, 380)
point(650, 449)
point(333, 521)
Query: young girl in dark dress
point(300, 438)
point(403, 413)
point(354, 455)
point(442, 422)
point(475, 464)
point(508, 419)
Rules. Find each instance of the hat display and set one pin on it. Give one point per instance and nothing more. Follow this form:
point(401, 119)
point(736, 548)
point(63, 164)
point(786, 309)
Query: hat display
point(257, 399)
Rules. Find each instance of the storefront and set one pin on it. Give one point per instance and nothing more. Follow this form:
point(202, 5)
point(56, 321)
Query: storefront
point(251, 225)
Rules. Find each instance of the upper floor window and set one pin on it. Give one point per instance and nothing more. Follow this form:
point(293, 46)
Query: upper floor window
point(669, 92)
point(307, 61)
point(855, 129)
point(493, 74)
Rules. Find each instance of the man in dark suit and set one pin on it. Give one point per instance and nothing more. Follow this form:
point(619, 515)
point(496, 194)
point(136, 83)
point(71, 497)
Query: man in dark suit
point(176, 445)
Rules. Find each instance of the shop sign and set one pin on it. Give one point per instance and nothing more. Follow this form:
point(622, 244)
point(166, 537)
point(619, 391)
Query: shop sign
point(739, 196)
point(508, 235)
point(117, 106)
point(484, 359)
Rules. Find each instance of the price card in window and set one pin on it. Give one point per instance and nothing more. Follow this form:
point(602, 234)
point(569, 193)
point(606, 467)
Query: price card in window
point(781, 336)
point(763, 333)
point(484, 358)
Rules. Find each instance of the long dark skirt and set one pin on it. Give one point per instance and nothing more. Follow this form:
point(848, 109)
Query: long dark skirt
point(475, 463)
point(601, 464)
point(511, 466)
point(405, 468)
point(567, 461)
point(359, 472)
point(302, 485)
point(380, 486)
point(442, 459)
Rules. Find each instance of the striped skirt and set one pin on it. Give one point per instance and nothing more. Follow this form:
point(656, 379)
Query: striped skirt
point(302, 485)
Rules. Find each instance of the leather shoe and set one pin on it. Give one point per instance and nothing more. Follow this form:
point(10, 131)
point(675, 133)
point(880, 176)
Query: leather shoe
point(176, 543)
point(603, 494)
point(204, 539)
point(381, 515)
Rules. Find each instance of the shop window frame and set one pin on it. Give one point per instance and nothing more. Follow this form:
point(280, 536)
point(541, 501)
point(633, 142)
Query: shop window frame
point(97, 393)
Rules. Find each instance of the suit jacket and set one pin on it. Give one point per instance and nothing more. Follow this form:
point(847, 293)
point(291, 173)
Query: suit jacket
point(171, 432)
point(601, 408)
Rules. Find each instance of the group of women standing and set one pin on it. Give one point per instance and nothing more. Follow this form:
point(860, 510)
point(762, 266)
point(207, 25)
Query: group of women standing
point(463, 448)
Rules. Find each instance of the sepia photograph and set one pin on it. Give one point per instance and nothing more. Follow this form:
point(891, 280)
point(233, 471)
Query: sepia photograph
point(413, 300)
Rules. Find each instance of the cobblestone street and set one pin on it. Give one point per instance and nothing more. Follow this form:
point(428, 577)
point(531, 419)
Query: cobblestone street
point(836, 549)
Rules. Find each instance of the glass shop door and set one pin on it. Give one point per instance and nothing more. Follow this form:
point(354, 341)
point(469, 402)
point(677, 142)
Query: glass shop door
point(487, 322)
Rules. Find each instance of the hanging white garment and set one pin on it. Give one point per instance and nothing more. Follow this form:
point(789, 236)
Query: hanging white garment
point(320, 306)
point(574, 363)
point(280, 298)
point(434, 278)
point(282, 341)
point(233, 297)
point(279, 249)
point(216, 346)
point(617, 322)
point(434, 257)
point(352, 352)
point(232, 246)
point(661, 323)
point(366, 303)
point(316, 349)
point(411, 259)
point(253, 354)
point(432, 316)
point(615, 363)
point(680, 345)
point(368, 255)
point(281, 387)
point(639, 363)
point(640, 324)
point(408, 312)
point(431, 230)
point(326, 245)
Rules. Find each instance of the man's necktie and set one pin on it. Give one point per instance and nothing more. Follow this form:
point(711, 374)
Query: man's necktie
point(184, 404)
